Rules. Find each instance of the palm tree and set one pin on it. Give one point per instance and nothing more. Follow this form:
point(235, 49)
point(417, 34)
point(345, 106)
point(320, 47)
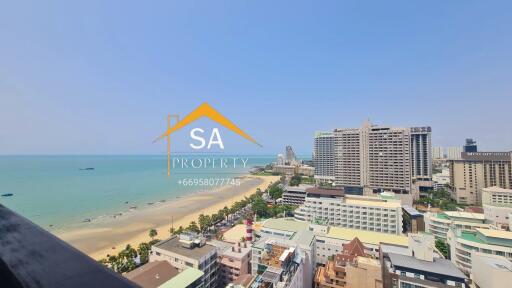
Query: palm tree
point(204, 222)
point(226, 212)
point(193, 227)
point(152, 233)
point(143, 251)
point(172, 230)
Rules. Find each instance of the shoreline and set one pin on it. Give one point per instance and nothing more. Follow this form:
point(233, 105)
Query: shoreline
point(97, 239)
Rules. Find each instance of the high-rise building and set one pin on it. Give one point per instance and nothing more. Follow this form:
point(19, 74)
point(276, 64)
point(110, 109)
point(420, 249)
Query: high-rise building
point(323, 155)
point(470, 145)
point(477, 170)
point(454, 152)
point(373, 159)
point(280, 159)
point(290, 156)
point(437, 152)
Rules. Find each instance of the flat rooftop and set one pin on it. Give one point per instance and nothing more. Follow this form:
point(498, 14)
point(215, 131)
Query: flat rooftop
point(438, 266)
point(376, 202)
point(184, 279)
point(286, 224)
point(173, 245)
point(495, 233)
point(367, 237)
point(486, 156)
point(152, 274)
point(468, 215)
point(314, 191)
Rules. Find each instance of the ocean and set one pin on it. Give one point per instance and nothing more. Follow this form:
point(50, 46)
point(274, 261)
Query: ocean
point(57, 193)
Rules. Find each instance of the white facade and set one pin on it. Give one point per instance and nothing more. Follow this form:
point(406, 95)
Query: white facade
point(354, 212)
point(490, 271)
point(487, 241)
point(437, 153)
point(440, 223)
point(454, 152)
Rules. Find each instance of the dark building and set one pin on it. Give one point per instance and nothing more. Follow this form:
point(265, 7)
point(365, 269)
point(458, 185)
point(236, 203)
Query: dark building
point(470, 145)
point(413, 221)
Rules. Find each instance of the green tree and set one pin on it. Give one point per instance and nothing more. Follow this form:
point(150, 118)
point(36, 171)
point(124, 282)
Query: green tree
point(143, 251)
point(205, 222)
point(275, 192)
point(442, 247)
point(192, 227)
point(152, 233)
point(259, 206)
point(295, 180)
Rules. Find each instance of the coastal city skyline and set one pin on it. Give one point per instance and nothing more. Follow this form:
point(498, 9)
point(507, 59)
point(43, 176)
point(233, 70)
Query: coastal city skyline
point(70, 82)
point(255, 144)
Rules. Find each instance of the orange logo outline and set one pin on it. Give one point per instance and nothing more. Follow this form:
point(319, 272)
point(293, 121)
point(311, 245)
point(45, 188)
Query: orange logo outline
point(204, 110)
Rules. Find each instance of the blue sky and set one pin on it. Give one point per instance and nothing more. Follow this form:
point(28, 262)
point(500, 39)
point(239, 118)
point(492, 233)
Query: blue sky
point(100, 78)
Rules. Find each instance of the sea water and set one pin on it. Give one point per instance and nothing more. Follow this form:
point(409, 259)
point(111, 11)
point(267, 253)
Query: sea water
point(56, 192)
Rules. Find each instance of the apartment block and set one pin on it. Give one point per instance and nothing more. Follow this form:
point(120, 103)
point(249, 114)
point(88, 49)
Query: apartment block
point(351, 268)
point(438, 224)
point(487, 241)
point(372, 159)
point(497, 204)
point(454, 152)
point(477, 170)
point(437, 153)
point(188, 250)
point(234, 260)
point(331, 207)
point(323, 155)
point(295, 195)
point(418, 265)
point(490, 271)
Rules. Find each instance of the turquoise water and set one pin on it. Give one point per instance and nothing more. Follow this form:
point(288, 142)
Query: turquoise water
point(52, 190)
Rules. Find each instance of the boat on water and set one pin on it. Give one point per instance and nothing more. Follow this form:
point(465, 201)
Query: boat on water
point(133, 207)
point(87, 168)
point(87, 220)
point(7, 195)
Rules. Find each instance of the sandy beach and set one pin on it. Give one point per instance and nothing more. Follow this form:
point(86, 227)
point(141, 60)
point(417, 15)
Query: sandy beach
point(97, 239)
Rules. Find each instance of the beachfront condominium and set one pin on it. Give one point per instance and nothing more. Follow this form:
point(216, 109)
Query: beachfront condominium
point(189, 250)
point(373, 159)
point(477, 170)
point(332, 207)
point(323, 156)
point(488, 241)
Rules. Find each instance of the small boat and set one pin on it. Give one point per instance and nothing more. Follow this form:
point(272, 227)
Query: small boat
point(133, 207)
point(87, 168)
point(126, 202)
point(7, 195)
point(86, 220)
point(150, 203)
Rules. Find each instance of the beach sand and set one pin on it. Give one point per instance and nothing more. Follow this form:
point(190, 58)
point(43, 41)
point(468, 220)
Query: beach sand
point(97, 239)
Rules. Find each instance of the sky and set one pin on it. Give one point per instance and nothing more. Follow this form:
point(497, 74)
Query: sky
point(99, 77)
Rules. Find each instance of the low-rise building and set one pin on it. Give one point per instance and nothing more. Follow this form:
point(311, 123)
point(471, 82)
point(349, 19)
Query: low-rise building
point(279, 263)
point(351, 268)
point(440, 223)
point(413, 221)
point(188, 278)
point(330, 240)
point(188, 250)
point(332, 207)
point(487, 241)
point(295, 195)
point(490, 271)
point(152, 274)
point(497, 204)
point(418, 265)
point(233, 260)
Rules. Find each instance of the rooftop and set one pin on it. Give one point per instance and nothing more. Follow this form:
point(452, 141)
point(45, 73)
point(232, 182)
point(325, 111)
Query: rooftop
point(325, 192)
point(438, 265)
point(468, 215)
point(285, 224)
point(372, 201)
point(411, 211)
point(367, 237)
point(152, 274)
point(184, 279)
point(173, 245)
point(495, 233)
